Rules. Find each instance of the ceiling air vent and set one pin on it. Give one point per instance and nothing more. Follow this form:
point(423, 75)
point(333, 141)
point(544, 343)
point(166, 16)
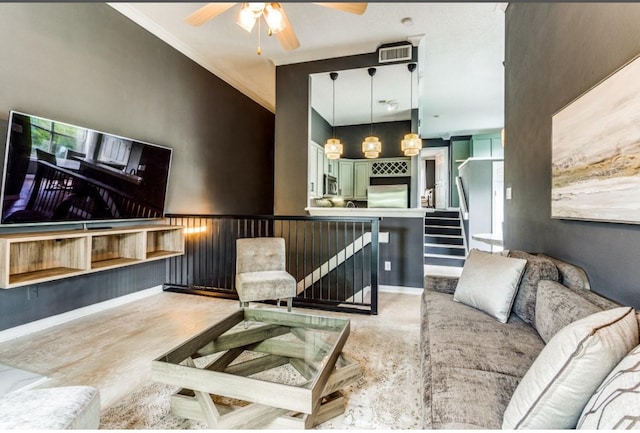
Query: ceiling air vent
point(395, 53)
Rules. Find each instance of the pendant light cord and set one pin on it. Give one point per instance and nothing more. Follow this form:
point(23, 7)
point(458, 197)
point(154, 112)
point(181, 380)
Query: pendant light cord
point(411, 67)
point(333, 122)
point(371, 112)
point(372, 72)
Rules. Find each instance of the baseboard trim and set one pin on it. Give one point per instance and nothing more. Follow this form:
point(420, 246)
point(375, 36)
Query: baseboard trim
point(58, 319)
point(401, 289)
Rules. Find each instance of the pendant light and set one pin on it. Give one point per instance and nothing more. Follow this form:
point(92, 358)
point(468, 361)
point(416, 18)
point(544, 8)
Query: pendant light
point(333, 147)
point(412, 142)
point(371, 146)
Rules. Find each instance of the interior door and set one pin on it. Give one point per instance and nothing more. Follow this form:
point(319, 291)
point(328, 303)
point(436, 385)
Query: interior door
point(441, 157)
point(442, 180)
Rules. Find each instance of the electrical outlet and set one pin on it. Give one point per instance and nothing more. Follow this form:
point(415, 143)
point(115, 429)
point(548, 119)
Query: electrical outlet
point(508, 193)
point(387, 266)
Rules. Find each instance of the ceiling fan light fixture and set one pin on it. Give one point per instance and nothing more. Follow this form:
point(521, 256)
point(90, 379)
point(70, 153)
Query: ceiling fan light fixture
point(247, 19)
point(256, 8)
point(274, 18)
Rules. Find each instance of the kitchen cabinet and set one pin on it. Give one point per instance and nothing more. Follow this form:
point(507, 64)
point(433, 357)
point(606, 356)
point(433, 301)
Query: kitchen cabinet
point(331, 166)
point(319, 165)
point(487, 145)
point(345, 178)
point(320, 170)
point(360, 179)
point(315, 170)
point(353, 179)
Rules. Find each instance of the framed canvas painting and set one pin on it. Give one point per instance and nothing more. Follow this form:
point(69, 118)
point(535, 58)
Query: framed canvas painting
point(595, 147)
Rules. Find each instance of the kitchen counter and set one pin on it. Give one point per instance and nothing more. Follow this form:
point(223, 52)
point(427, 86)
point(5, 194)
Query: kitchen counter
point(367, 212)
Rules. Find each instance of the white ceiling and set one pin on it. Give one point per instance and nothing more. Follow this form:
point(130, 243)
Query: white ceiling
point(459, 84)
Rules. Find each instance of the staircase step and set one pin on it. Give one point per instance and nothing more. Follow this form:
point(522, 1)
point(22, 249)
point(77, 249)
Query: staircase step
point(444, 239)
point(443, 213)
point(443, 260)
point(442, 230)
point(446, 250)
point(442, 222)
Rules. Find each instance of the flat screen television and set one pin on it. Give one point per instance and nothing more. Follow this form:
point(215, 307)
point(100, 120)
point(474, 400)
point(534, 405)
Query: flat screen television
point(56, 172)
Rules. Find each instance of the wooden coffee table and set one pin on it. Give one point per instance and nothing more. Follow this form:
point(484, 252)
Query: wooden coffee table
point(260, 368)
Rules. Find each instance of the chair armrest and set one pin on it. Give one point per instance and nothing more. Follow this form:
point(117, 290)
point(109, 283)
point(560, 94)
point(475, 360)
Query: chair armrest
point(440, 283)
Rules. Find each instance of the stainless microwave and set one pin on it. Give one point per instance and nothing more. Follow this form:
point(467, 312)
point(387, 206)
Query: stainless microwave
point(330, 185)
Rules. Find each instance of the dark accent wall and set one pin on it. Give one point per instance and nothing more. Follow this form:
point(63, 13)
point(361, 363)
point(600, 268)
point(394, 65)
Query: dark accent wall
point(86, 64)
point(389, 133)
point(292, 127)
point(554, 53)
point(404, 251)
point(351, 136)
point(320, 128)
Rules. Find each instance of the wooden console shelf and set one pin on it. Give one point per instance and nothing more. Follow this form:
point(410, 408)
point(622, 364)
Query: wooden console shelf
point(28, 258)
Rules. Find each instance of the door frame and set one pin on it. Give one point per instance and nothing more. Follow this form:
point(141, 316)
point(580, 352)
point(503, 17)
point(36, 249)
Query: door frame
point(441, 155)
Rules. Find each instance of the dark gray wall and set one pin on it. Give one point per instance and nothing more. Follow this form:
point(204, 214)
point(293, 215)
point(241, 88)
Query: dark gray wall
point(404, 251)
point(86, 64)
point(292, 128)
point(389, 133)
point(351, 136)
point(554, 53)
point(320, 129)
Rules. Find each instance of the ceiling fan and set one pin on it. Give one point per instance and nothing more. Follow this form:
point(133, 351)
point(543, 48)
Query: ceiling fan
point(273, 14)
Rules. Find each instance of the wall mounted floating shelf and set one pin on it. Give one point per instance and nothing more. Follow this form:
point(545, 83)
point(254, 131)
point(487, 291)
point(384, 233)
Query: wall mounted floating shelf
point(29, 258)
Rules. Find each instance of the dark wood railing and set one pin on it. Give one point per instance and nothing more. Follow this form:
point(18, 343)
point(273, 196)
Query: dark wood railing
point(334, 259)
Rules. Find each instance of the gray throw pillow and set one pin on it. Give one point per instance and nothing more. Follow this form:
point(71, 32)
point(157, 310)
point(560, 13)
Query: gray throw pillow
point(489, 282)
point(557, 306)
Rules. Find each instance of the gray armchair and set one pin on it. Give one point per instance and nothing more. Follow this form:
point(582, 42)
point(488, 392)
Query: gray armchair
point(261, 273)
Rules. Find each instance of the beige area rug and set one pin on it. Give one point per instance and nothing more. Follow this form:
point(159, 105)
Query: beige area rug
point(387, 396)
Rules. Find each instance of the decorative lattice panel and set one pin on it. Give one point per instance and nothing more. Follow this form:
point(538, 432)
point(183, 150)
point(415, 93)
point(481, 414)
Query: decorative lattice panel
point(390, 168)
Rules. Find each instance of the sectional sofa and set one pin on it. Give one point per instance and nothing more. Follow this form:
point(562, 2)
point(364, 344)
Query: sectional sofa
point(559, 360)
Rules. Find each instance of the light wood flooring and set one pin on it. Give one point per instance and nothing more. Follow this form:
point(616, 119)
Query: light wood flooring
point(112, 350)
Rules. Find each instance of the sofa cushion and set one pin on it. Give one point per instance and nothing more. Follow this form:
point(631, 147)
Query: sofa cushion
point(441, 283)
point(572, 276)
point(616, 403)
point(489, 282)
point(468, 356)
point(537, 269)
point(571, 366)
point(557, 306)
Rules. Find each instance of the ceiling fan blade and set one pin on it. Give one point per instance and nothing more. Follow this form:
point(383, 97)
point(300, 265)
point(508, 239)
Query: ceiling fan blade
point(354, 8)
point(207, 12)
point(287, 36)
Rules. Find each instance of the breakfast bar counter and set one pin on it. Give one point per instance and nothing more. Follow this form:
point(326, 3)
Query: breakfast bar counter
point(367, 212)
